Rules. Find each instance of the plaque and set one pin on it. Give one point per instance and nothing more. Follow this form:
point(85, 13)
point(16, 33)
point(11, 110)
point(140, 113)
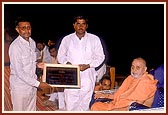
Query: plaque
point(61, 75)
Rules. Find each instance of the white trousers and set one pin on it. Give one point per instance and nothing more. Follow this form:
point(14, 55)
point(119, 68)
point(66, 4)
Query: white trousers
point(79, 99)
point(23, 102)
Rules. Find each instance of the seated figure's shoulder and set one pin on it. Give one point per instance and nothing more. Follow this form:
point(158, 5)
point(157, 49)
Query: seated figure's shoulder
point(150, 76)
point(149, 79)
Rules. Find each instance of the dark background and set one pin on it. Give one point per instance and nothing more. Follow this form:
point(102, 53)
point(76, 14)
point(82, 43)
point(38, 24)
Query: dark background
point(127, 31)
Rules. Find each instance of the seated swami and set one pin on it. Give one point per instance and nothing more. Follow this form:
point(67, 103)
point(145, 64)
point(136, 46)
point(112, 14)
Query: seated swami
point(138, 87)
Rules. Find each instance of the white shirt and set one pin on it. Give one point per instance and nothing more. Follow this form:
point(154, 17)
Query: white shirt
point(23, 65)
point(46, 55)
point(88, 50)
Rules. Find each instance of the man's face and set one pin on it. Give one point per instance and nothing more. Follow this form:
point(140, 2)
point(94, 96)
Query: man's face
point(53, 52)
point(80, 26)
point(24, 30)
point(138, 68)
point(106, 84)
point(40, 46)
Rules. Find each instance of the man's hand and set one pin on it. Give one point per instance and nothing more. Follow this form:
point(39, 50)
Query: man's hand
point(44, 85)
point(84, 66)
point(40, 65)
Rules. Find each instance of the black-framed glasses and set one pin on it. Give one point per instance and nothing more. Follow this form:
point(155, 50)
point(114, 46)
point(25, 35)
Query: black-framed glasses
point(23, 28)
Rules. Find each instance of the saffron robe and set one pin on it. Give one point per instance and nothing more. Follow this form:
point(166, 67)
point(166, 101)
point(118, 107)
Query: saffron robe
point(139, 90)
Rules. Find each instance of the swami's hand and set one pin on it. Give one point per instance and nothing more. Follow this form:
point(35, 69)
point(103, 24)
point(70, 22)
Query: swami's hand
point(102, 95)
point(99, 95)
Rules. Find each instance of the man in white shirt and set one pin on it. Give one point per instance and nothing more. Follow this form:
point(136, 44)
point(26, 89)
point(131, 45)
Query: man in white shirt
point(23, 80)
point(43, 54)
point(83, 49)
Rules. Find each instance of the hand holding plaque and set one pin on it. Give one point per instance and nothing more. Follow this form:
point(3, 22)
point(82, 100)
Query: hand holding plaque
point(83, 66)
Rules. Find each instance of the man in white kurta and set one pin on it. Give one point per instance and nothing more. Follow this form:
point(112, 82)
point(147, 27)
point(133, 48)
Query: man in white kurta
point(83, 49)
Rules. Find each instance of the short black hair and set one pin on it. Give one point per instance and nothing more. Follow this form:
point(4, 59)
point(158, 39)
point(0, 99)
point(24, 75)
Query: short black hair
point(51, 47)
point(105, 77)
point(22, 19)
point(42, 41)
point(80, 17)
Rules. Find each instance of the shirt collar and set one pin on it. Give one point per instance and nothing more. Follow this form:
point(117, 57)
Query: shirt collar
point(24, 41)
point(83, 36)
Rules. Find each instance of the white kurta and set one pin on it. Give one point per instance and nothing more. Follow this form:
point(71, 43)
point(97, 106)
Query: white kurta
point(46, 55)
point(23, 80)
point(88, 50)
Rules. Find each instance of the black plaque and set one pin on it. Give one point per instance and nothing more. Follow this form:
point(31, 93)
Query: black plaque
point(61, 75)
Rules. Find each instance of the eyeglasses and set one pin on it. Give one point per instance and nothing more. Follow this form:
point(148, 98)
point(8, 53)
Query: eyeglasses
point(25, 27)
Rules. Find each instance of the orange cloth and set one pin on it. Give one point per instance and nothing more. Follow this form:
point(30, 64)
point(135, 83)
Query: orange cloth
point(132, 89)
